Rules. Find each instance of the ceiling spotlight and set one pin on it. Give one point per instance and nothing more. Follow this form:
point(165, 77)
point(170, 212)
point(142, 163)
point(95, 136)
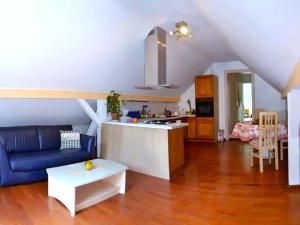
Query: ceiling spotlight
point(182, 30)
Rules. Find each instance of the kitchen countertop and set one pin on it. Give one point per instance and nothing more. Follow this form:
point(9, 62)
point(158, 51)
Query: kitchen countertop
point(171, 126)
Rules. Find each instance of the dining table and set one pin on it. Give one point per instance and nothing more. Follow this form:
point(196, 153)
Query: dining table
point(249, 131)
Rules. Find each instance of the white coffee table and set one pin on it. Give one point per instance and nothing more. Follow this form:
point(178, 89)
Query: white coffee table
point(78, 188)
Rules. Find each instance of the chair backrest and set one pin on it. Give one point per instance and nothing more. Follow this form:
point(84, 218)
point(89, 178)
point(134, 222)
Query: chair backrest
point(257, 112)
point(268, 128)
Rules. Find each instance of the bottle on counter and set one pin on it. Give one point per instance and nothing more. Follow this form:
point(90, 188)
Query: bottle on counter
point(144, 113)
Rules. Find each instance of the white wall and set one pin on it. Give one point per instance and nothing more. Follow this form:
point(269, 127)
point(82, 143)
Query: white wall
point(269, 98)
point(265, 94)
point(18, 112)
point(93, 46)
point(99, 45)
point(293, 136)
point(82, 128)
point(219, 69)
point(189, 94)
point(154, 107)
point(263, 34)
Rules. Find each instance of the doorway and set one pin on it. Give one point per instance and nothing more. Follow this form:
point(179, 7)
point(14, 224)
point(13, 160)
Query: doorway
point(240, 98)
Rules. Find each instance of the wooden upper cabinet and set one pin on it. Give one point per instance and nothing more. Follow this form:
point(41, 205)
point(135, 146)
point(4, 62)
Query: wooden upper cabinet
point(204, 86)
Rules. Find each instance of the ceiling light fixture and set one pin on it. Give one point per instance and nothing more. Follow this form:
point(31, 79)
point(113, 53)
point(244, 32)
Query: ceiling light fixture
point(182, 30)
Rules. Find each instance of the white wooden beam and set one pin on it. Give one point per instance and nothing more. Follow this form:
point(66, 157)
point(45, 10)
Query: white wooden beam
point(89, 111)
point(102, 114)
point(92, 129)
point(97, 118)
point(293, 137)
point(64, 94)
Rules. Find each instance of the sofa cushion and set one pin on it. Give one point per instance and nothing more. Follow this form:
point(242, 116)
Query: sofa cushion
point(19, 139)
point(69, 139)
point(49, 136)
point(46, 159)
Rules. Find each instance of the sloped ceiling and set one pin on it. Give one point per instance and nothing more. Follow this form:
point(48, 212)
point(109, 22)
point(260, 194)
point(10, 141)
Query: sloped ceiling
point(263, 34)
point(99, 45)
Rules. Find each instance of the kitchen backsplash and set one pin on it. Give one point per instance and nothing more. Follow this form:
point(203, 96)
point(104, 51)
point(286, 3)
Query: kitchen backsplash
point(154, 107)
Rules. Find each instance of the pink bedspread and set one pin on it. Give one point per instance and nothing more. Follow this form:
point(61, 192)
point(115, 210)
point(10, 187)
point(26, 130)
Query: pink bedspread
point(248, 132)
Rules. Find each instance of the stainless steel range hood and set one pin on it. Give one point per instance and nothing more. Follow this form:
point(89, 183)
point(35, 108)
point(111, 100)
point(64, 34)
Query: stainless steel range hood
point(155, 61)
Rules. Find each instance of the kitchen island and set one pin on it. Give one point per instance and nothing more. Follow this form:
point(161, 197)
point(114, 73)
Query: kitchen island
point(152, 149)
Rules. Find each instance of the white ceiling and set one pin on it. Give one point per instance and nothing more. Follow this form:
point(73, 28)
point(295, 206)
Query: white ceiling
point(99, 45)
point(263, 34)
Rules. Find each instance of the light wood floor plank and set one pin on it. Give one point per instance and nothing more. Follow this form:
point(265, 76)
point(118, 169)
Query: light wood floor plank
point(216, 186)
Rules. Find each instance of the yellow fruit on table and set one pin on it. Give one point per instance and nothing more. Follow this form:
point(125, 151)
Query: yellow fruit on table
point(88, 165)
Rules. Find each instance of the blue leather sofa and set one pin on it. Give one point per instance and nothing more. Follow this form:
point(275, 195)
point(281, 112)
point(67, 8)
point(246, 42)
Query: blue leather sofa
point(26, 152)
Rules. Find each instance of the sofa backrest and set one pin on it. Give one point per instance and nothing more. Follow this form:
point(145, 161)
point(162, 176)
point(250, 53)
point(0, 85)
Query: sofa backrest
point(49, 136)
point(19, 139)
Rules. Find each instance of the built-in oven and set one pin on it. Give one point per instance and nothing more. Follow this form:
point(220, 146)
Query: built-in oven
point(205, 107)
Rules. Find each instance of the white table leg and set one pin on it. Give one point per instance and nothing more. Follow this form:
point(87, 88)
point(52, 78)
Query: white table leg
point(122, 183)
point(72, 204)
point(50, 187)
point(64, 193)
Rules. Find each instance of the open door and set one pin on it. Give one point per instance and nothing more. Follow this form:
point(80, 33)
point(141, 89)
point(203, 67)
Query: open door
point(232, 101)
point(239, 99)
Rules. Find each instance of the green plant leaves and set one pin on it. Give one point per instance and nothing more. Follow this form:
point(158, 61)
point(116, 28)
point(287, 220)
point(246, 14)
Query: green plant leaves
point(113, 102)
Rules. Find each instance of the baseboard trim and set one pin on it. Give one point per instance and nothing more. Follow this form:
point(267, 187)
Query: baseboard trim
point(293, 187)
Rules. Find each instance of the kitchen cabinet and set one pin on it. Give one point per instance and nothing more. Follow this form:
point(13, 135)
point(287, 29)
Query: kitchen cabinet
point(206, 123)
point(204, 86)
point(163, 149)
point(205, 128)
point(207, 120)
point(191, 129)
point(201, 128)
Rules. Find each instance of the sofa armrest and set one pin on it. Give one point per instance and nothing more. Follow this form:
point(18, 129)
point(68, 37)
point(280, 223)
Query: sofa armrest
point(4, 165)
point(88, 143)
point(3, 154)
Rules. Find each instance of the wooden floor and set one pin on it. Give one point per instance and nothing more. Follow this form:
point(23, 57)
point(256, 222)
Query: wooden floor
point(217, 186)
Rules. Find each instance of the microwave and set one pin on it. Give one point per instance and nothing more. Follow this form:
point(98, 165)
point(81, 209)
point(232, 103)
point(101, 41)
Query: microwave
point(205, 107)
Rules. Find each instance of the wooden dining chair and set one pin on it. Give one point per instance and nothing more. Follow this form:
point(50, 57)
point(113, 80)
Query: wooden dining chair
point(267, 139)
point(257, 112)
point(283, 145)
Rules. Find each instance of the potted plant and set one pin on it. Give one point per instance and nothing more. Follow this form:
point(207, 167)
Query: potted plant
point(113, 105)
